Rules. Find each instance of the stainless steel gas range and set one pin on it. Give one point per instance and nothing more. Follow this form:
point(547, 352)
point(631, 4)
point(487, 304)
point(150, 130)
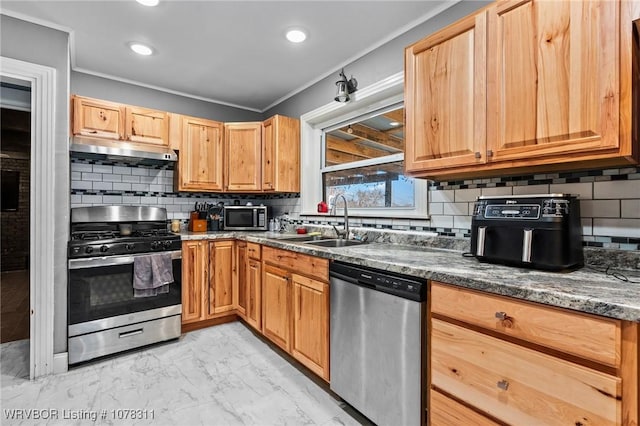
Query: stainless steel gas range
point(124, 280)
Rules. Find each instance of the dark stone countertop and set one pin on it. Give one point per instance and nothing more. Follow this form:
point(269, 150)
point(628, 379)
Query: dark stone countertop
point(583, 290)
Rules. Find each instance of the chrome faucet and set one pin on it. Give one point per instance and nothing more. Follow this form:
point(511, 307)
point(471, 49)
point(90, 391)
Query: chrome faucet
point(345, 232)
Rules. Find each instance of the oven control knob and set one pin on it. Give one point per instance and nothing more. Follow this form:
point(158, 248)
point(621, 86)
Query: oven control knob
point(166, 244)
point(129, 246)
point(154, 245)
point(88, 250)
point(104, 249)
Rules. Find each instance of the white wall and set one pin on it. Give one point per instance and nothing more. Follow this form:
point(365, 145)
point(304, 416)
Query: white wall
point(44, 46)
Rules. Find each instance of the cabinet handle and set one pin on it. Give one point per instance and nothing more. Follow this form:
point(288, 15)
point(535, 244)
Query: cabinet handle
point(478, 155)
point(502, 315)
point(503, 384)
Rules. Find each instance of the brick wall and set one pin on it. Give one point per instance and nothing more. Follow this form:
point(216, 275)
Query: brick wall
point(15, 225)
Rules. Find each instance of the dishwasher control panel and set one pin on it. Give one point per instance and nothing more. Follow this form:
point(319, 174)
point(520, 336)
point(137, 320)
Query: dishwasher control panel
point(404, 286)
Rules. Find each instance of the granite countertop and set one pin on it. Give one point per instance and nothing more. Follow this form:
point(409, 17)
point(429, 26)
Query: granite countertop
point(584, 290)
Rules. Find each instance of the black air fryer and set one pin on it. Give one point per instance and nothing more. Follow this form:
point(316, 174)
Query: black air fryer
point(534, 231)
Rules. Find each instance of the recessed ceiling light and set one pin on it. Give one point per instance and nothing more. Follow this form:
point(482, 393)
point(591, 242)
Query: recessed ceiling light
point(141, 49)
point(394, 123)
point(296, 36)
point(149, 3)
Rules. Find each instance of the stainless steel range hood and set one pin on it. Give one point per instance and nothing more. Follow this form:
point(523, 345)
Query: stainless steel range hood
point(100, 149)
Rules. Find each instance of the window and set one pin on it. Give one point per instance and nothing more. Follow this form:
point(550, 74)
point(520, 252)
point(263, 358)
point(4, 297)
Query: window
point(317, 175)
point(363, 160)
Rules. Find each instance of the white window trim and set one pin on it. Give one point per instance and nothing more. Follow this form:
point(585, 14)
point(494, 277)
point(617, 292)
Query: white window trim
point(376, 96)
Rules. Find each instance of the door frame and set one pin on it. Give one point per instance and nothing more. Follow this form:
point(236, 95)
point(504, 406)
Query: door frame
point(42, 80)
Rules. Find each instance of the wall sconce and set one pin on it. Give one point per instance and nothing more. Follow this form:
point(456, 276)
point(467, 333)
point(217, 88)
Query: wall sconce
point(345, 87)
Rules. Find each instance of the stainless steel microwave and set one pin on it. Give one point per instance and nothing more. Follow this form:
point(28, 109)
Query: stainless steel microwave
point(246, 218)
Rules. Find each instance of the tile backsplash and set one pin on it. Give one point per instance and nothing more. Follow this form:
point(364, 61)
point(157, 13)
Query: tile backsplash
point(95, 183)
point(610, 199)
point(609, 204)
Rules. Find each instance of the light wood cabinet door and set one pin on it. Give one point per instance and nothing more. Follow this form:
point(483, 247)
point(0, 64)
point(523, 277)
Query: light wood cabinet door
point(93, 117)
point(276, 318)
point(220, 279)
point(281, 154)
point(254, 294)
point(243, 147)
point(310, 339)
point(200, 167)
point(518, 385)
point(586, 336)
point(194, 280)
point(553, 78)
point(147, 126)
point(312, 266)
point(445, 83)
point(240, 278)
point(445, 411)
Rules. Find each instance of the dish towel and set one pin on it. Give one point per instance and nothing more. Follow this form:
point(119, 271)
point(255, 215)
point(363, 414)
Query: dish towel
point(152, 274)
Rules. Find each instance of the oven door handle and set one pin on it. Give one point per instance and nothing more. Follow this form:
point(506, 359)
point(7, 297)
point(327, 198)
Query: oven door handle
point(96, 262)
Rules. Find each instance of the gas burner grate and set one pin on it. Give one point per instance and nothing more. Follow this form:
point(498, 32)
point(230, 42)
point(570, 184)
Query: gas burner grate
point(92, 236)
point(145, 233)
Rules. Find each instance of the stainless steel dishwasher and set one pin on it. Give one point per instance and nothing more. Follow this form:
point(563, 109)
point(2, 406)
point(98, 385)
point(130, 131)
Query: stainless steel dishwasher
point(377, 342)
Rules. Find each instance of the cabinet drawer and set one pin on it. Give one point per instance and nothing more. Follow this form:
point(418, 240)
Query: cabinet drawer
point(301, 263)
point(586, 336)
point(447, 412)
point(253, 251)
point(518, 385)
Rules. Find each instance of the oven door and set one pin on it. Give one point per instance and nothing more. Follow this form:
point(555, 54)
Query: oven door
point(100, 294)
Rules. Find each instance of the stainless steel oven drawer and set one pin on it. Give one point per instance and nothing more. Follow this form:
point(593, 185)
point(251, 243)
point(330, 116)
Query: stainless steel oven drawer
point(94, 345)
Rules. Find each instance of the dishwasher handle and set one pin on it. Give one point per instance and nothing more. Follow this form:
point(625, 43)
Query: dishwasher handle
point(352, 280)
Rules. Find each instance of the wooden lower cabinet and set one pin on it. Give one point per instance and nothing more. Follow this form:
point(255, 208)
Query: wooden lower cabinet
point(282, 294)
point(240, 279)
point(194, 270)
point(207, 280)
point(276, 306)
point(221, 265)
point(515, 369)
point(448, 412)
point(309, 343)
point(295, 306)
point(254, 294)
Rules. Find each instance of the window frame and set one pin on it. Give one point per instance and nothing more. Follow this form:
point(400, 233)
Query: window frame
point(383, 94)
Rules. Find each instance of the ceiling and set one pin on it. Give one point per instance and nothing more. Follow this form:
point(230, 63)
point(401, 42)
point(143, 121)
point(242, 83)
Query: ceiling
point(229, 52)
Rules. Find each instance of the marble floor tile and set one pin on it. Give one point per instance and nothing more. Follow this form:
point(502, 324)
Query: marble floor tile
point(222, 375)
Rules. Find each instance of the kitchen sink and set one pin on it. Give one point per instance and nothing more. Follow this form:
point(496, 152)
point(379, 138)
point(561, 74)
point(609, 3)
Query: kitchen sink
point(335, 243)
point(300, 238)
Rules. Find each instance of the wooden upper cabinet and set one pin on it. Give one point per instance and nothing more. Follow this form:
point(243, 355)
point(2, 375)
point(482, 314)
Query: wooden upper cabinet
point(524, 86)
point(147, 126)
point(103, 119)
point(93, 117)
point(445, 97)
point(553, 81)
point(201, 155)
point(243, 146)
point(281, 154)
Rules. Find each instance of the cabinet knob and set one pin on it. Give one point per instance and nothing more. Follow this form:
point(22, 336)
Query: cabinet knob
point(489, 153)
point(503, 384)
point(478, 155)
point(502, 315)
